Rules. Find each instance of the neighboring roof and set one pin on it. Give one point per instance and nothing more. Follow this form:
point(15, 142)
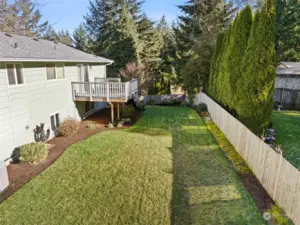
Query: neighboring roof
point(288, 69)
point(25, 49)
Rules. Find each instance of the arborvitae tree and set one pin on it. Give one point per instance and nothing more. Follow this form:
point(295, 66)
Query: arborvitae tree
point(21, 17)
point(259, 72)
point(235, 52)
point(219, 70)
point(212, 76)
point(288, 30)
point(81, 39)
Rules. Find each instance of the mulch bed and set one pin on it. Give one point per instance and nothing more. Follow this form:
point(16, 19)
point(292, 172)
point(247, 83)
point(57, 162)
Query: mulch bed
point(20, 173)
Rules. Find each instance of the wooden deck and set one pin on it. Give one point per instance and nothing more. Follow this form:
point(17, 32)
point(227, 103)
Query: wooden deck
point(102, 91)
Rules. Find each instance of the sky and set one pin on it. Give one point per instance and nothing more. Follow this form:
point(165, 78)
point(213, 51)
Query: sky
point(68, 14)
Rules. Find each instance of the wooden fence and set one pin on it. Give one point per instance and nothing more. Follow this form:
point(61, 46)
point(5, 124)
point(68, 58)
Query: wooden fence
point(279, 178)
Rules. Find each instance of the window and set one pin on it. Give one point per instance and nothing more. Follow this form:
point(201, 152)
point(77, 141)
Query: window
point(15, 74)
point(55, 121)
point(50, 71)
point(55, 71)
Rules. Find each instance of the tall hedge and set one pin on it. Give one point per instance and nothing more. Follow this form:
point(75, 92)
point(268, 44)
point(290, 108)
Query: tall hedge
point(219, 78)
point(236, 51)
point(217, 50)
point(256, 86)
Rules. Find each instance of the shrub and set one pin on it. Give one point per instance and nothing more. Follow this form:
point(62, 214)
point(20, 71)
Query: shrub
point(33, 153)
point(151, 102)
point(92, 126)
point(68, 127)
point(168, 102)
point(127, 111)
point(202, 107)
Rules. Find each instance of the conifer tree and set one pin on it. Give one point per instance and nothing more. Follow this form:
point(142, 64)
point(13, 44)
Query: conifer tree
point(81, 39)
point(235, 51)
point(150, 42)
point(219, 78)
point(65, 38)
point(259, 72)
point(288, 30)
point(21, 17)
point(124, 39)
point(212, 76)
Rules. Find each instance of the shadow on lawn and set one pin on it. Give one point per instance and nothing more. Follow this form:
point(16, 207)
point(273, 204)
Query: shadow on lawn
point(205, 188)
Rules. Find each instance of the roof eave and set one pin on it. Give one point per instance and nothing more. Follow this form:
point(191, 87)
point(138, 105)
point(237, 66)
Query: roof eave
point(107, 62)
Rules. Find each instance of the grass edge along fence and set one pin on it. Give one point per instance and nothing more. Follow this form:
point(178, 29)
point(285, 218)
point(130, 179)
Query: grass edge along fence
point(279, 178)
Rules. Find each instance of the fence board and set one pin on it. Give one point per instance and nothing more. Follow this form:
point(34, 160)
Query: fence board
point(279, 178)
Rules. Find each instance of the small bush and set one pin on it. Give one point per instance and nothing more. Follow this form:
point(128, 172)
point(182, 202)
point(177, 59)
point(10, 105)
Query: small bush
point(151, 102)
point(92, 126)
point(201, 108)
point(127, 111)
point(33, 153)
point(168, 102)
point(68, 127)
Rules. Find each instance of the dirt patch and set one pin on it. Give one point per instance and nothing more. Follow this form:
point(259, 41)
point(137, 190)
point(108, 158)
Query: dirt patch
point(19, 174)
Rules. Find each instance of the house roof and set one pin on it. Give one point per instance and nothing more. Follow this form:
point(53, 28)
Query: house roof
point(288, 69)
point(15, 48)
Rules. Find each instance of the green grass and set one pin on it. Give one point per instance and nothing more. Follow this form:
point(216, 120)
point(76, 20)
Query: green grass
point(287, 126)
point(167, 169)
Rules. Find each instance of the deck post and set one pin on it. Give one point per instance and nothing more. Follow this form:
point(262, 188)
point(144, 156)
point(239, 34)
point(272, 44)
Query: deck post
point(73, 91)
point(112, 112)
point(90, 90)
point(126, 91)
point(118, 110)
point(107, 92)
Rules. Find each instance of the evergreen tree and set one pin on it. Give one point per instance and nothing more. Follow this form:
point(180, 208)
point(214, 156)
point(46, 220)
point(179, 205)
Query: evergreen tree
point(50, 34)
point(150, 42)
point(124, 42)
point(22, 18)
point(235, 51)
point(65, 38)
point(81, 39)
point(166, 70)
point(288, 30)
point(212, 76)
point(259, 72)
point(220, 76)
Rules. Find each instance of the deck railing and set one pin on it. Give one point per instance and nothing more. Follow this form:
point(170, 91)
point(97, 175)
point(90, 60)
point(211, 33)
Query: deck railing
point(106, 90)
point(107, 80)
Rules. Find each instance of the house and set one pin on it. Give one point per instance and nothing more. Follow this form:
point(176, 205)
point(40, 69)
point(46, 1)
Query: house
point(45, 82)
point(287, 85)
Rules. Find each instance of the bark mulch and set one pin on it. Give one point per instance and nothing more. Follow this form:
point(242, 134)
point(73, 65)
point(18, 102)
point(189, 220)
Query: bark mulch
point(20, 173)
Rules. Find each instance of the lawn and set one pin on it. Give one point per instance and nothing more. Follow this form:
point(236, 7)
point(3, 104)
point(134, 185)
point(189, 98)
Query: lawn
point(287, 125)
point(167, 169)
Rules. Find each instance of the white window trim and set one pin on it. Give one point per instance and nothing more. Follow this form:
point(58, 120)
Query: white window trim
point(54, 114)
point(15, 74)
point(55, 70)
